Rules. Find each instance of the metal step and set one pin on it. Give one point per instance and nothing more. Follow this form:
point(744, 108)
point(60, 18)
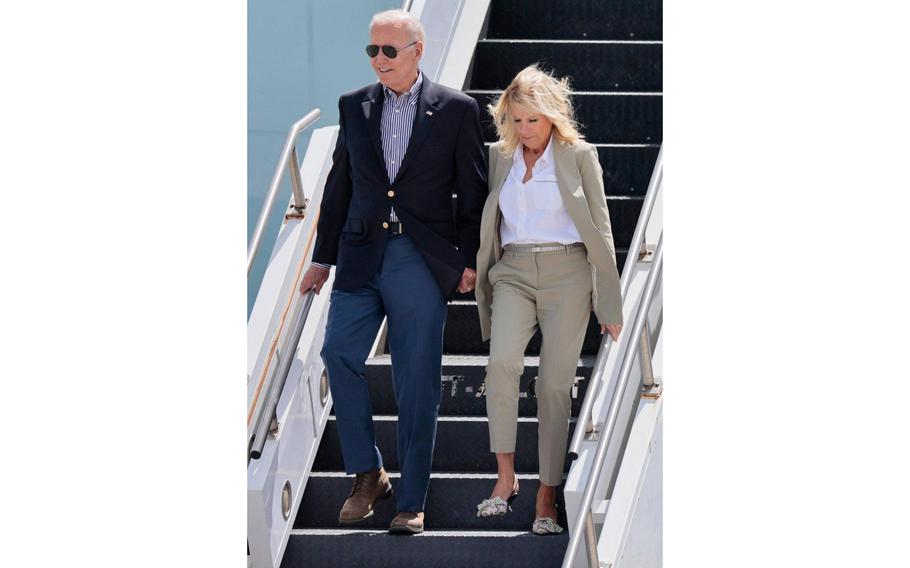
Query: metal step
point(576, 19)
point(378, 549)
point(462, 444)
point(589, 66)
point(462, 381)
point(614, 118)
point(627, 170)
point(451, 503)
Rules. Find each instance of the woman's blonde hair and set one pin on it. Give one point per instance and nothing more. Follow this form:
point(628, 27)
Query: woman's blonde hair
point(540, 93)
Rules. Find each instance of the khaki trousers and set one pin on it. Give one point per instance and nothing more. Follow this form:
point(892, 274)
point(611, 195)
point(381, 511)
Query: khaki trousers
point(551, 290)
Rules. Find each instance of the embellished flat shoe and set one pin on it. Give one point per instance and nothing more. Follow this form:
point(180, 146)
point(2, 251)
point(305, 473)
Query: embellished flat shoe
point(496, 506)
point(546, 526)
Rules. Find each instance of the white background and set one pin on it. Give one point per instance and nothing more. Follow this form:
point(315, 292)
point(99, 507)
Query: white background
point(123, 136)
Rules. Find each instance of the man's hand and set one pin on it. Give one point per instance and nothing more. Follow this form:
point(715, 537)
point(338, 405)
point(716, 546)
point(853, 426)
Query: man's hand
point(613, 328)
point(315, 277)
point(468, 279)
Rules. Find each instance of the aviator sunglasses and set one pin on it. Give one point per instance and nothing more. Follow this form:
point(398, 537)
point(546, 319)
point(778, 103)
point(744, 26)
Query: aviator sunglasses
point(390, 51)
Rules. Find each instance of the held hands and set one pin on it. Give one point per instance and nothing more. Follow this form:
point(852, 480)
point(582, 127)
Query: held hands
point(315, 277)
point(613, 328)
point(468, 279)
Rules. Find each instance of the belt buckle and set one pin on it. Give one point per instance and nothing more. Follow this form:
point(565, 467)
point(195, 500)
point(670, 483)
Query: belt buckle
point(396, 228)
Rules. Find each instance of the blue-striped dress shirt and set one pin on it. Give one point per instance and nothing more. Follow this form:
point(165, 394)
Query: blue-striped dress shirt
point(395, 129)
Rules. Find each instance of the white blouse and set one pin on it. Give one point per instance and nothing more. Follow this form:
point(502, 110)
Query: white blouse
point(534, 212)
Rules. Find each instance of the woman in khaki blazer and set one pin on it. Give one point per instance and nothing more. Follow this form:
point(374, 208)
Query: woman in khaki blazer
point(546, 259)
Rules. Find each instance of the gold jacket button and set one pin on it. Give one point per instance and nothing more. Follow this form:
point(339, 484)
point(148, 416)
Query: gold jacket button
point(385, 225)
point(391, 193)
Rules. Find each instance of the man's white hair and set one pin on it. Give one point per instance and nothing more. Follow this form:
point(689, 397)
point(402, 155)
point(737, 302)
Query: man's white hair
point(401, 19)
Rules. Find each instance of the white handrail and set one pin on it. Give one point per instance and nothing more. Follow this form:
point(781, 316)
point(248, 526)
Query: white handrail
point(286, 161)
point(584, 516)
point(266, 411)
point(638, 237)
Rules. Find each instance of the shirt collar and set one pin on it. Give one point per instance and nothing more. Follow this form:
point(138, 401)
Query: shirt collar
point(544, 159)
point(412, 93)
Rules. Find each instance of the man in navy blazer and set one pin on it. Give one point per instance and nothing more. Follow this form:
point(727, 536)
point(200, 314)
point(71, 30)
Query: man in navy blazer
point(400, 249)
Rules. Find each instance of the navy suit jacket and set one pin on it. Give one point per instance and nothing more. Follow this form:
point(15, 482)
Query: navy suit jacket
point(445, 156)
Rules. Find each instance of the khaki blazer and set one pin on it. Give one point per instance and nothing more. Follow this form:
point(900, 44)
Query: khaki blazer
point(580, 180)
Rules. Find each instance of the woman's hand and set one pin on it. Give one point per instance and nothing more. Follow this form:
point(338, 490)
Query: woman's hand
point(613, 328)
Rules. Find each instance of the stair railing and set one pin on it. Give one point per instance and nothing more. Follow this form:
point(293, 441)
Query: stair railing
point(585, 517)
point(261, 413)
point(267, 420)
point(636, 249)
point(288, 160)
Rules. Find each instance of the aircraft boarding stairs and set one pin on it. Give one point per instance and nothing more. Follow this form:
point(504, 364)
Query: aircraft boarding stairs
point(296, 480)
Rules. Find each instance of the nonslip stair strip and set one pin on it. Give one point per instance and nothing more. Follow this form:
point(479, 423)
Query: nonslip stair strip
point(391, 418)
point(601, 145)
point(573, 41)
point(447, 534)
point(434, 475)
point(579, 93)
point(479, 360)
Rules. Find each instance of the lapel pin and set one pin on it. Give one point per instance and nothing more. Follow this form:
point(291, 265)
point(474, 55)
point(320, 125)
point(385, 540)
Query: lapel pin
point(429, 113)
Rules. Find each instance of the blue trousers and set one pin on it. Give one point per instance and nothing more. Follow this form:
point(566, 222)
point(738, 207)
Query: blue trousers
point(404, 291)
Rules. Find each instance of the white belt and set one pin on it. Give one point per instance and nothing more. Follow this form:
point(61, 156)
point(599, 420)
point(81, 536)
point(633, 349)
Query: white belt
point(535, 248)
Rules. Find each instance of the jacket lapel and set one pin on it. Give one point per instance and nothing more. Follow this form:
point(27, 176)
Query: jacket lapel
point(423, 123)
point(568, 179)
point(372, 112)
point(503, 167)
point(500, 166)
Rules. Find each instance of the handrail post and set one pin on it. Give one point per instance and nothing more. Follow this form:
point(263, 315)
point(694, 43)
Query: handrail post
point(585, 415)
point(591, 540)
point(286, 153)
point(647, 369)
point(296, 183)
point(628, 359)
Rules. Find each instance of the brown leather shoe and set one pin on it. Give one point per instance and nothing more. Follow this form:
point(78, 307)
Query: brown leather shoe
point(406, 522)
point(368, 488)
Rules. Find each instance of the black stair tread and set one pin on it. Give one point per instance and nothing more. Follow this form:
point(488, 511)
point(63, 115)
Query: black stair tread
point(589, 66)
point(627, 170)
point(496, 549)
point(451, 503)
point(576, 19)
point(462, 445)
point(461, 386)
point(617, 119)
